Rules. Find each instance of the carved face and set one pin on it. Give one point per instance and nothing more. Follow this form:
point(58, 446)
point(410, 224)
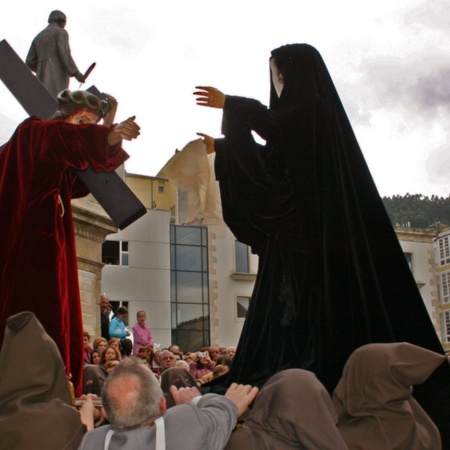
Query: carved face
point(277, 77)
point(83, 116)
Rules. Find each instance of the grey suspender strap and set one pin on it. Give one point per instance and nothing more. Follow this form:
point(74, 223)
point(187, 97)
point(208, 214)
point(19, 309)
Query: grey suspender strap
point(108, 439)
point(160, 434)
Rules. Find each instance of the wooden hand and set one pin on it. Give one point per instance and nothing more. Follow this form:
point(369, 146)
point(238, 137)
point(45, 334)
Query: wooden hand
point(210, 96)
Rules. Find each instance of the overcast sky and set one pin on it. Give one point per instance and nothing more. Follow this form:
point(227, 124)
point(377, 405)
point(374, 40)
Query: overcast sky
point(390, 61)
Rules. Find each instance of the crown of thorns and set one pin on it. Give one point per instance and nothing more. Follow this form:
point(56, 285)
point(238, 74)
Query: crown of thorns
point(84, 99)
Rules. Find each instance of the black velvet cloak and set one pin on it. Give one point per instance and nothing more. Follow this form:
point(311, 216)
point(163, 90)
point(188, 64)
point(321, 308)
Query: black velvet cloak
point(332, 275)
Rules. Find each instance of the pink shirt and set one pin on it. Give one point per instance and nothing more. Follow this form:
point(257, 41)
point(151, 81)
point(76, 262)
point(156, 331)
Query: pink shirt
point(142, 336)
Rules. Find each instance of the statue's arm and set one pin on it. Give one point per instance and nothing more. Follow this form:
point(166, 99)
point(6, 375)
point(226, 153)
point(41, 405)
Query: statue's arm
point(32, 60)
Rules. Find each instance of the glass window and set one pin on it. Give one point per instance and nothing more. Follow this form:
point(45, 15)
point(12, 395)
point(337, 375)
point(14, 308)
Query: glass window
point(189, 287)
point(242, 304)
point(242, 257)
point(445, 319)
point(408, 257)
point(444, 250)
point(444, 287)
point(188, 235)
point(188, 258)
point(110, 253)
point(189, 316)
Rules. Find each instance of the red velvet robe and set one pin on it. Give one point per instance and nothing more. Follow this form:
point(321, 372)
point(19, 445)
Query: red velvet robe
point(38, 266)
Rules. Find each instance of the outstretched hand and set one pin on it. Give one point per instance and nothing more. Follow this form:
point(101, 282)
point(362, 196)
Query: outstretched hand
point(242, 396)
point(209, 96)
point(184, 394)
point(209, 143)
point(128, 130)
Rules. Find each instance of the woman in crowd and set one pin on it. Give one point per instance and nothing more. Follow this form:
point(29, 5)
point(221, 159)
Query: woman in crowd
point(201, 365)
point(100, 344)
point(87, 349)
point(110, 353)
point(95, 357)
point(114, 342)
point(142, 336)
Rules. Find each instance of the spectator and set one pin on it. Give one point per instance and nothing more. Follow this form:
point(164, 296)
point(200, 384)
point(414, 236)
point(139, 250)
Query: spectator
point(117, 326)
point(189, 357)
point(218, 371)
point(231, 351)
point(87, 349)
point(136, 409)
point(142, 336)
point(224, 360)
point(104, 316)
point(157, 361)
point(114, 342)
point(175, 349)
point(214, 353)
point(95, 357)
point(126, 348)
point(182, 365)
point(100, 344)
point(111, 365)
point(109, 354)
point(201, 365)
point(168, 360)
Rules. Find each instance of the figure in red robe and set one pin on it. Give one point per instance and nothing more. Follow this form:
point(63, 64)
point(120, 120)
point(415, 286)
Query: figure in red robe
point(38, 267)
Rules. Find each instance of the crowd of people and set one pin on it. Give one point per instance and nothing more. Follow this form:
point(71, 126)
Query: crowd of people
point(132, 406)
point(117, 343)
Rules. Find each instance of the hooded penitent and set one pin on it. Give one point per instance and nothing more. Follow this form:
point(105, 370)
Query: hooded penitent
point(332, 275)
point(292, 411)
point(374, 402)
point(36, 411)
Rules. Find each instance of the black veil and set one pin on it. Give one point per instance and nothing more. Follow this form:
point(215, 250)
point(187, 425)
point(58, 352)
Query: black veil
point(332, 275)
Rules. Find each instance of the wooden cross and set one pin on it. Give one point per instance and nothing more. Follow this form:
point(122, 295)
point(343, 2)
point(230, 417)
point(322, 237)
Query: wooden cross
point(107, 187)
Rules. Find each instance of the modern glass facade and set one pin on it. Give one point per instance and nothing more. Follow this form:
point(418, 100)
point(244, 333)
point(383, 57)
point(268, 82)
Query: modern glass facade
point(189, 287)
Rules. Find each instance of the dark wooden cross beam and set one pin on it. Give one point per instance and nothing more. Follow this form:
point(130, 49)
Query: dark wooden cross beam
point(107, 187)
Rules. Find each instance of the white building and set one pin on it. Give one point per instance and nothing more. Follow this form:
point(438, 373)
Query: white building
point(195, 280)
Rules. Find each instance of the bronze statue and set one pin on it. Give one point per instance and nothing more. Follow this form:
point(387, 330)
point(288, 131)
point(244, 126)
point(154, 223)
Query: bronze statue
point(50, 58)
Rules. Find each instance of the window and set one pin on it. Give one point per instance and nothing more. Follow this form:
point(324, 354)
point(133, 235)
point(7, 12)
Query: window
point(242, 303)
point(443, 251)
point(408, 257)
point(445, 322)
point(161, 186)
point(242, 257)
point(115, 253)
point(189, 286)
point(444, 287)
